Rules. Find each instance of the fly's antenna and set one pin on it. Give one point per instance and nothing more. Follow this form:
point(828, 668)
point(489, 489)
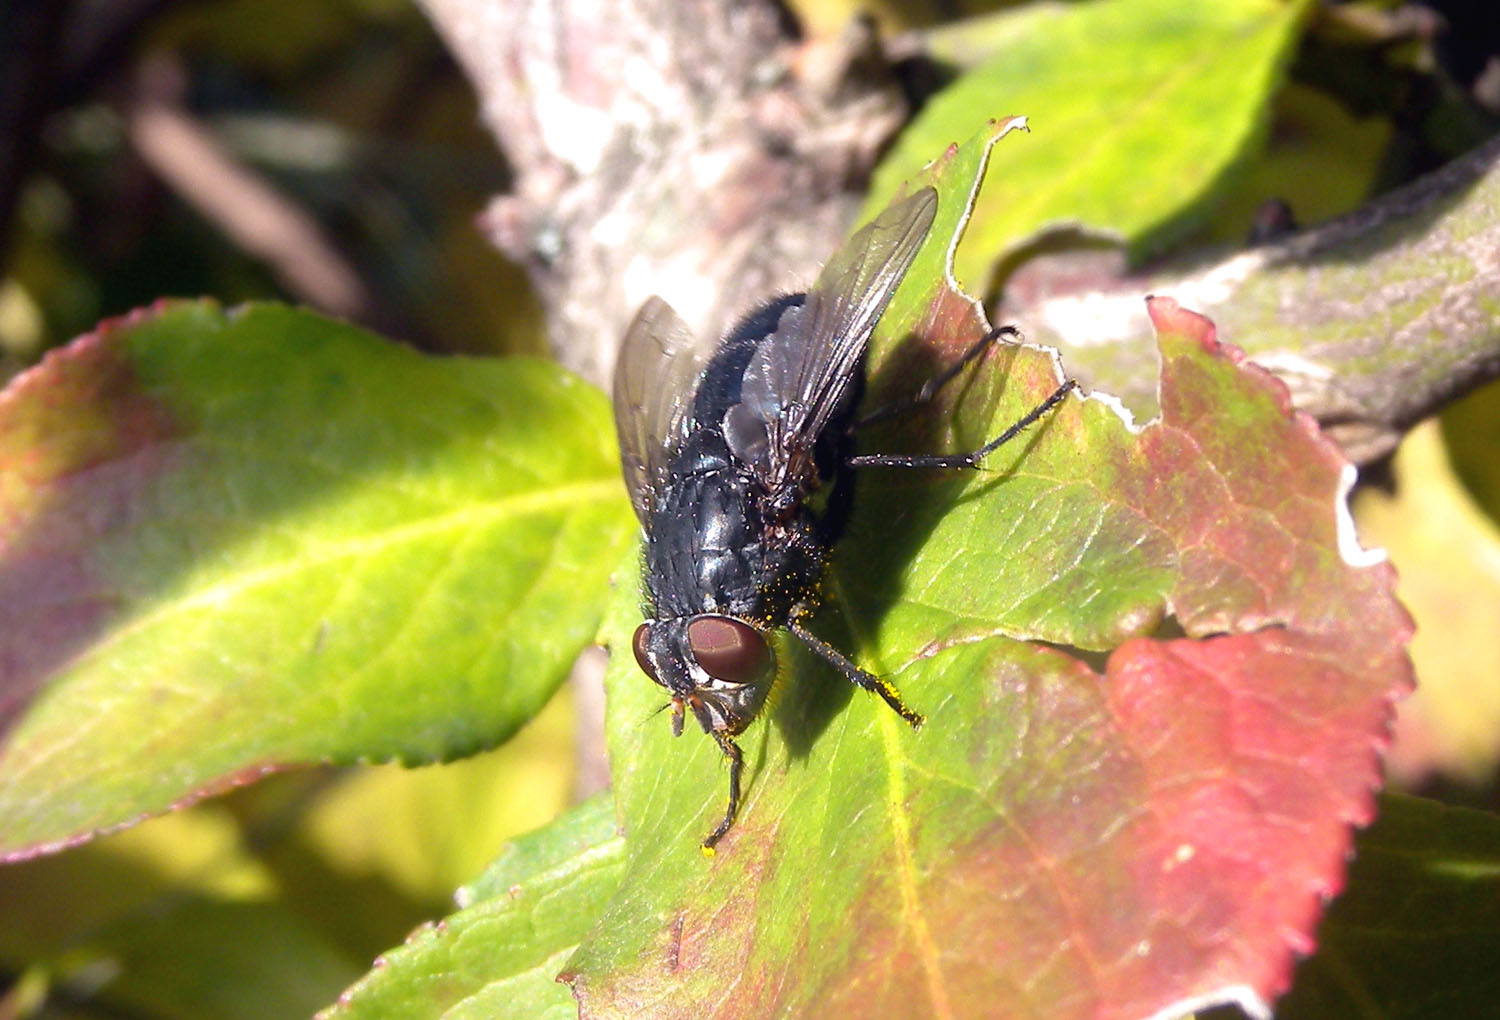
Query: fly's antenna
point(658, 710)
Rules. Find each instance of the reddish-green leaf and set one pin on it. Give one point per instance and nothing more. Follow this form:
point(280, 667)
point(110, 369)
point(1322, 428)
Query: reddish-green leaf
point(235, 542)
point(1157, 672)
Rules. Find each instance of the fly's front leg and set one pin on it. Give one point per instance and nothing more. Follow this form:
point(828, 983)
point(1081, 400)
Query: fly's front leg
point(736, 764)
point(962, 460)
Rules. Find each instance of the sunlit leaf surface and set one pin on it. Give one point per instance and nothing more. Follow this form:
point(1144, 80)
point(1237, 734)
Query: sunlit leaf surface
point(234, 542)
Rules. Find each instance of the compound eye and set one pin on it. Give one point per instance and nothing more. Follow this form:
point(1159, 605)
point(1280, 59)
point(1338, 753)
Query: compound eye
point(728, 649)
point(638, 645)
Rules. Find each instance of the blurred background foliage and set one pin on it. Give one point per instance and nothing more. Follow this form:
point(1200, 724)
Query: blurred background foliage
point(349, 111)
point(348, 119)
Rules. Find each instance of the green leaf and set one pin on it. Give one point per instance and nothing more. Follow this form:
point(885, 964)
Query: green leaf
point(1141, 109)
point(231, 543)
point(1157, 672)
point(1417, 933)
point(498, 957)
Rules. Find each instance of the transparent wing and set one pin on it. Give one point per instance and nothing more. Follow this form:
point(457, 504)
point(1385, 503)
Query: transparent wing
point(801, 374)
point(655, 375)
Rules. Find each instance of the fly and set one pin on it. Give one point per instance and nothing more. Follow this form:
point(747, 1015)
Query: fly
point(723, 447)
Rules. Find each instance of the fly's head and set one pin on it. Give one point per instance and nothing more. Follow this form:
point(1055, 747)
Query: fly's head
point(719, 668)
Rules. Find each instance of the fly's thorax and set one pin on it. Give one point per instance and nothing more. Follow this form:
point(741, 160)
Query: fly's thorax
point(702, 548)
point(718, 667)
point(706, 539)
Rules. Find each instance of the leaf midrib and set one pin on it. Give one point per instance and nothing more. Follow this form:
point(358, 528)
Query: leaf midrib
point(906, 878)
point(567, 498)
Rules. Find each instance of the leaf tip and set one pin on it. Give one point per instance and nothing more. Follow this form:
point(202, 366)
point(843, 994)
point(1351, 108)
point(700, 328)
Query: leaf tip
point(1170, 317)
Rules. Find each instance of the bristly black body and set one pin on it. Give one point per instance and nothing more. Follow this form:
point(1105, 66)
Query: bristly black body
point(714, 538)
point(724, 448)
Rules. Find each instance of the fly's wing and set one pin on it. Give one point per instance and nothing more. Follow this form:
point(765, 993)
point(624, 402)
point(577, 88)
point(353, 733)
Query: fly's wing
point(800, 375)
point(655, 375)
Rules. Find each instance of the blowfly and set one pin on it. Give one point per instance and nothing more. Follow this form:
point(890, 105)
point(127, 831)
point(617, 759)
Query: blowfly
point(724, 446)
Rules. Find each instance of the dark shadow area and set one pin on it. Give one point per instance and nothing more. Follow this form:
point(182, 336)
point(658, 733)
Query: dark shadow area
point(1097, 659)
point(810, 693)
point(895, 511)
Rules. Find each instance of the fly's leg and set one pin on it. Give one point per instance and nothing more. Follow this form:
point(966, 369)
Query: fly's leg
point(736, 764)
point(932, 386)
point(962, 460)
point(841, 497)
point(855, 675)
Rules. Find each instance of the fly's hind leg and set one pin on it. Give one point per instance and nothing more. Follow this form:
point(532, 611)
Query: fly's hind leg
point(855, 675)
point(933, 386)
point(962, 460)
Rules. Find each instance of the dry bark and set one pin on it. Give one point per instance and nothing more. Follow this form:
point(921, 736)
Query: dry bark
point(692, 150)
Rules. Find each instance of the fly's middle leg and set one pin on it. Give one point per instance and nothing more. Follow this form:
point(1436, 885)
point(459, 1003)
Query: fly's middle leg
point(855, 675)
point(963, 460)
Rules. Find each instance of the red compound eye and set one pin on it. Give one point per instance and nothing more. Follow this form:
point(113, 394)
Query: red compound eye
point(638, 645)
point(728, 649)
